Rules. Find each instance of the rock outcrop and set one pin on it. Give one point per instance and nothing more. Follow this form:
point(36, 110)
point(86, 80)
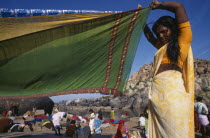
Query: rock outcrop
point(138, 88)
point(27, 104)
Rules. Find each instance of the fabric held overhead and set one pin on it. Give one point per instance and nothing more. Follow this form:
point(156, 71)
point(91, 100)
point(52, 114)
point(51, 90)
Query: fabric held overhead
point(68, 54)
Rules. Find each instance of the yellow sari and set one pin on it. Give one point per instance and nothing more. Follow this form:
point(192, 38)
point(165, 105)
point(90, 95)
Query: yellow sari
point(171, 100)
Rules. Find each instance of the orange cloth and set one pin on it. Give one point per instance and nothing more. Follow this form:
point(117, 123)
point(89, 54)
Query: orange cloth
point(185, 39)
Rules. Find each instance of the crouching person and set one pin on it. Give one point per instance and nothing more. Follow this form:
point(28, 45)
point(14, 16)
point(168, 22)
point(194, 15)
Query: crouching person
point(56, 118)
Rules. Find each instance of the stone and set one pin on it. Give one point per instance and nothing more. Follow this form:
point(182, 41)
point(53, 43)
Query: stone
point(129, 103)
point(27, 104)
point(198, 89)
point(200, 70)
point(68, 102)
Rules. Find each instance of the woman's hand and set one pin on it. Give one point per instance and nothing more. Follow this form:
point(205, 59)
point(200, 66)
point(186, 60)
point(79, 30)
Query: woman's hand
point(155, 4)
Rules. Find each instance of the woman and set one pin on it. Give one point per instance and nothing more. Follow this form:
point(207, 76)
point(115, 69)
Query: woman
point(97, 124)
point(171, 98)
point(121, 130)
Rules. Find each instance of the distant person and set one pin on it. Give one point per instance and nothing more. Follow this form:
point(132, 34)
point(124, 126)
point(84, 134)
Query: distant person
point(112, 115)
point(16, 109)
point(100, 113)
point(34, 110)
point(9, 113)
point(202, 112)
point(197, 124)
point(122, 132)
point(91, 120)
point(142, 122)
point(126, 114)
point(56, 118)
point(97, 124)
point(4, 113)
point(68, 122)
point(71, 129)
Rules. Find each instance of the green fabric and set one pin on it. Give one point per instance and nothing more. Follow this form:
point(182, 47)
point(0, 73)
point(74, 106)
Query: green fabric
point(71, 58)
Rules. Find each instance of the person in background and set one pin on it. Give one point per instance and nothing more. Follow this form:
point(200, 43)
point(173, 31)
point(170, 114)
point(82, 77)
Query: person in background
point(91, 120)
point(202, 112)
point(197, 124)
point(142, 122)
point(112, 116)
point(4, 113)
point(16, 109)
point(71, 129)
point(68, 122)
point(11, 110)
point(126, 114)
point(34, 110)
point(121, 130)
point(100, 113)
point(97, 124)
point(56, 118)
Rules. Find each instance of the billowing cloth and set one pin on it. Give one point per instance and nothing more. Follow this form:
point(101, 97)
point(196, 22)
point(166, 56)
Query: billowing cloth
point(68, 54)
point(5, 124)
point(171, 101)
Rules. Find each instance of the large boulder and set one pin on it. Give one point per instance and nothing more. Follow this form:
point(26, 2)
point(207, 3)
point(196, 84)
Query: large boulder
point(115, 102)
point(129, 103)
point(68, 102)
point(27, 104)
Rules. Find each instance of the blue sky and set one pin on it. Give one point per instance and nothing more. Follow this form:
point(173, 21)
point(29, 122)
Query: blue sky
point(198, 12)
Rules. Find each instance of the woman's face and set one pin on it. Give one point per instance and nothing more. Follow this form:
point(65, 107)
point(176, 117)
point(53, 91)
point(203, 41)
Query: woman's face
point(163, 34)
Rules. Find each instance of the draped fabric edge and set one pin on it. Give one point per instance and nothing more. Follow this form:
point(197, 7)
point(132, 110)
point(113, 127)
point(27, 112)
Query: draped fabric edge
point(73, 91)
point(103, 89)
point(188, 78)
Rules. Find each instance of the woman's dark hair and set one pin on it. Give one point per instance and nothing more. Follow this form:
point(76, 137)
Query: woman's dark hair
point(173, 49)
